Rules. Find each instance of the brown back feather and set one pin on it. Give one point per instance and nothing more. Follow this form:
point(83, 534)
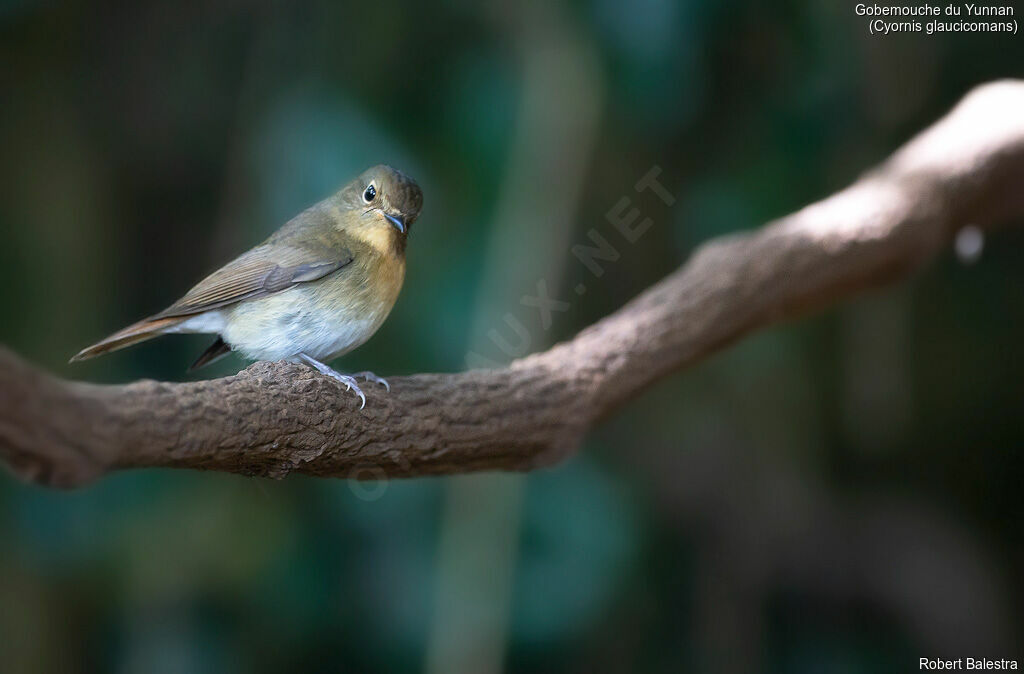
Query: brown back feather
point(261, 271)
point(264, 270)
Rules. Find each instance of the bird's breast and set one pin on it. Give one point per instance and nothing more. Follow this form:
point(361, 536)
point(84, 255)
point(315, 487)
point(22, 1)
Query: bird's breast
point(323, 319)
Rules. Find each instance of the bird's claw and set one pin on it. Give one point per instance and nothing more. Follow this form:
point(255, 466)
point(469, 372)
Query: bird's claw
point(350, 384)
point(371, 377)
point(348, 380)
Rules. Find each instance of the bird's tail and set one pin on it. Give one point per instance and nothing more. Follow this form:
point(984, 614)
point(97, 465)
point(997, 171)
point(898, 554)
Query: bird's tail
point(133, 334)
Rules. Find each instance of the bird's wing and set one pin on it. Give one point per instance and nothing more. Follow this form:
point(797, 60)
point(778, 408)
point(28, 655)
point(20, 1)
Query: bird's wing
point(262, 271)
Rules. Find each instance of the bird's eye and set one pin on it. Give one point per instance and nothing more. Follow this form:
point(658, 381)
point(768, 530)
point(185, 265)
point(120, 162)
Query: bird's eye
point(370, 193)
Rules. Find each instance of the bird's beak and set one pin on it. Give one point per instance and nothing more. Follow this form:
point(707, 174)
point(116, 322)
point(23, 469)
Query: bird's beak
point(397, 222)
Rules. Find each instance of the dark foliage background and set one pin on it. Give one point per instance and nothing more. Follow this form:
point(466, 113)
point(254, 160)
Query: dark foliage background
point(841, 494)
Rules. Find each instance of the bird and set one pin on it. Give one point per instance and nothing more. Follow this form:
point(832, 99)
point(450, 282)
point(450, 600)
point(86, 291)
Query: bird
point(317, 288)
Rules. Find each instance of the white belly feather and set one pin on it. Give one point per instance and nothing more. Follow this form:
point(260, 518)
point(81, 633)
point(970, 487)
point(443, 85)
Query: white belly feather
point(276, 328)
point(279, 328)
point(211, 322)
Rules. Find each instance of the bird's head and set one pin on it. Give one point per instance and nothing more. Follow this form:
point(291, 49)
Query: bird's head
point(385, 197)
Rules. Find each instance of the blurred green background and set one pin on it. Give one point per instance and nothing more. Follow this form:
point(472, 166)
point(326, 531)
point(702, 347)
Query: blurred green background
point(840, 494)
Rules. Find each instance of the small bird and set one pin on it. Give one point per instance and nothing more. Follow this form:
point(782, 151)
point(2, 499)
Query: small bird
point(316, 289)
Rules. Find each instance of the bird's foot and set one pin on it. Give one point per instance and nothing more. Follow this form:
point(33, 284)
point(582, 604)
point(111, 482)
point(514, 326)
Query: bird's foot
point(371, 377)
point(348, 380)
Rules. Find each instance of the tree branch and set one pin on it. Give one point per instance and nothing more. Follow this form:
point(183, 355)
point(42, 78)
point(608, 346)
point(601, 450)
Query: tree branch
point(275, 418)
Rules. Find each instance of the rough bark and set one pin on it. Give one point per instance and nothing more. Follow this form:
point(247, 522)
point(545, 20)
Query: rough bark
point(273, 419)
